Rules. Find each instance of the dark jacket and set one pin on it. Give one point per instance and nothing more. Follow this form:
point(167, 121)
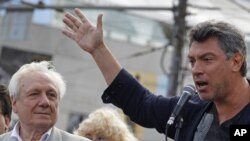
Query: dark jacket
point(153, 111)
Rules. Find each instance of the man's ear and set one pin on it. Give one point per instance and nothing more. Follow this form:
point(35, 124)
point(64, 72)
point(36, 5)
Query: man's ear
point(237, 61)
point(7, 122)
point(13, 103)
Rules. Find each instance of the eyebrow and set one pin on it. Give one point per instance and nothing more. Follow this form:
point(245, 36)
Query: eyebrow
point(201, 56)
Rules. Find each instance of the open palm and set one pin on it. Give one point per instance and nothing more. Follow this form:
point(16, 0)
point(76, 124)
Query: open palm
point(81, 30)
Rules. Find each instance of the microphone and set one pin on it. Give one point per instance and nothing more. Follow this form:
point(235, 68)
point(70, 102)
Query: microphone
point(188, 92)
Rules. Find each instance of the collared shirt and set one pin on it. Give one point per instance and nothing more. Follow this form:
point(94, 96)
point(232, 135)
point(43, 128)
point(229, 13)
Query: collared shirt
point(16, 137)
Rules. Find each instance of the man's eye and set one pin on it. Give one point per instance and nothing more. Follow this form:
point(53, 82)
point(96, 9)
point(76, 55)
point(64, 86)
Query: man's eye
point(33, 94)
point(54, 95)
point(207, 59)
point(191, 62)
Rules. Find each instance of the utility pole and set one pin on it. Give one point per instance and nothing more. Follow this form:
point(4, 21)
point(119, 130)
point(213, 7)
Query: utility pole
point(178, 39)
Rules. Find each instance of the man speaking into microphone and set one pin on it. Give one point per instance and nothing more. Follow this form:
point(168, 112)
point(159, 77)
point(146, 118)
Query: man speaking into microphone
point(217, 55)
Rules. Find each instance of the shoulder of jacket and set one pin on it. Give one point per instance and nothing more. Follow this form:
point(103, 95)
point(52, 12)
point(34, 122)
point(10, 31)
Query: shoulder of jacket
point(5, 136)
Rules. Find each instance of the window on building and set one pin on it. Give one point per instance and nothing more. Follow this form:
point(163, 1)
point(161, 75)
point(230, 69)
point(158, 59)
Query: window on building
point(11, 59)
point(15, 25)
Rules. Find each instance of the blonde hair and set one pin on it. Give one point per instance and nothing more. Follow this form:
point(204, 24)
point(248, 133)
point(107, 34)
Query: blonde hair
point(108, 122)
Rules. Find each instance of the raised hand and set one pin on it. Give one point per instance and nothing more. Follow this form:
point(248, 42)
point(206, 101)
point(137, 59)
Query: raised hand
point(90, 39)
point(81, 30)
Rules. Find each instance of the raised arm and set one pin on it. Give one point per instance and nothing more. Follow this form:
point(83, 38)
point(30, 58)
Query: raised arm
point(90, 39)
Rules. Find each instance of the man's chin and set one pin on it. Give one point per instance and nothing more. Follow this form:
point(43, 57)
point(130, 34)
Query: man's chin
point(204, 97)
point(43, 125)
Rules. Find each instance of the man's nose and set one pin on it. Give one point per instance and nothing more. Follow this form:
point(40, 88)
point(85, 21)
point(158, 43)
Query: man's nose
point(197, 68)
point(44, 101)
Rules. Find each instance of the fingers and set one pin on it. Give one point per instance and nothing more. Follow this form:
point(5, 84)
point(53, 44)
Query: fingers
point(69, 34)
point(80, 15)
point(99, 22)
point(70, 24)
point(71, 21)
point(77, 28)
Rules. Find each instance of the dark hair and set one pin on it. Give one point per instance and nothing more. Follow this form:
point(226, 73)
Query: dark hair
point(5, 102)
point(230, 38)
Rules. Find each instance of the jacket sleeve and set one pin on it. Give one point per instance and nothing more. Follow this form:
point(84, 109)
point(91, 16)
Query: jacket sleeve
point(142, 106)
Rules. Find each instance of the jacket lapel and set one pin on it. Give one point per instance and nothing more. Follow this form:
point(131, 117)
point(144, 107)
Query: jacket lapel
point(55, 135)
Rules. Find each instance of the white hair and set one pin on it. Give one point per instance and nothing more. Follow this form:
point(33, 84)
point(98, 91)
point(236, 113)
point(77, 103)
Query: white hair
point(43, 66)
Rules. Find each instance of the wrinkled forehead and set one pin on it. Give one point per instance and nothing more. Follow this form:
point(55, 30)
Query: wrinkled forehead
point(38, 77)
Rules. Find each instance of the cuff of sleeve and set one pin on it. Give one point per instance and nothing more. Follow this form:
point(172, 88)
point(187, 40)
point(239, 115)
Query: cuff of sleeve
point(112, 92)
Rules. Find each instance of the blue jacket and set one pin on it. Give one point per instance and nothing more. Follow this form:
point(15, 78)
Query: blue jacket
point(153, 111)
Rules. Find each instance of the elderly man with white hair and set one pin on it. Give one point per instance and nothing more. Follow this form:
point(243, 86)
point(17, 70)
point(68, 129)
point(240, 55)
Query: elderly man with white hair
point(36, 90)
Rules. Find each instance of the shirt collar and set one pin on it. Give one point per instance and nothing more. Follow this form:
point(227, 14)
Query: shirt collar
point(15, 133)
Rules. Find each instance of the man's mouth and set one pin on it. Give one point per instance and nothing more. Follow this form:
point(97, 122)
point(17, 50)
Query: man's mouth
point(42, 113)
point(201, 85)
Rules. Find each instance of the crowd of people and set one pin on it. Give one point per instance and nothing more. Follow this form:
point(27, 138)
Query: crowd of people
point(217, 55)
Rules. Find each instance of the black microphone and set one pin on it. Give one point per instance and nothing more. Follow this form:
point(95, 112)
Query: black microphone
point(188, 92)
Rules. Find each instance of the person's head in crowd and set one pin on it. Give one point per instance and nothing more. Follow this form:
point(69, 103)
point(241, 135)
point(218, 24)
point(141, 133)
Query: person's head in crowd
point(220, 42)
point(36, 90)
point(105, 124)
point(5, 109)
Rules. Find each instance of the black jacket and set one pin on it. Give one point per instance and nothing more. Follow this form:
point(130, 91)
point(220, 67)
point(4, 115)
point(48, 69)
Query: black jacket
point(153, 111)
